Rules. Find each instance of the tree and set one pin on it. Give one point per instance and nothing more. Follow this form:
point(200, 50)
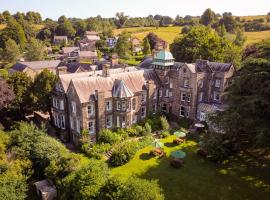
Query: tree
point(228, 21)
point(6, 94)
point(120, 19)
point(123, 45)
point(141, 189)
point(41, 91)
point(208, 17)
point(20, 83)
point(35, 50)
point(202, 42)
point(12, 51)
point(164, 123)
point(107, 136)
point(87, 182)
point(146, 47)
point(152, 38)
point(148, 128)
point(240, 38)
point(14, 31)
point(221, 30)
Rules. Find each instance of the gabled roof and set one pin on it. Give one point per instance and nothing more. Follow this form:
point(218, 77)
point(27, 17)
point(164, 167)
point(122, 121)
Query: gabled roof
point(36, 65)
point(70, 49)
point(134, 81)
point(93, 37)
point(61, 37)
point(206, 66)
point(88, 54)
point(91, 33)
point(120, 89)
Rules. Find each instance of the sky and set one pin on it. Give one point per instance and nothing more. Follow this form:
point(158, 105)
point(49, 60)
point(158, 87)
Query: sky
point(134, 8)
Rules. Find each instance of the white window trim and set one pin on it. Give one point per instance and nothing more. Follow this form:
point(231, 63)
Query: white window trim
point(217, 83)
point(92, 128)
point(183, 96)
point(73, 105)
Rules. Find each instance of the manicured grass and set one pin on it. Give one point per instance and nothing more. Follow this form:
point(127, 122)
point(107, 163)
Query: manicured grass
point(199, 178)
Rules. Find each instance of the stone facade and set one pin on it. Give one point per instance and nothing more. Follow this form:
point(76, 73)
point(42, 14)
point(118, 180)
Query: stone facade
point(121, 97)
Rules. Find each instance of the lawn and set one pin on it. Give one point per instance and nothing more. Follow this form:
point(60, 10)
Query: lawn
point(200, 178)
point(253, 37)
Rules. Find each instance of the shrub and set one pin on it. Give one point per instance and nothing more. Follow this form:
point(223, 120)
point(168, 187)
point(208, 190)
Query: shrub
point(122, 132)
point(165, 134)
point(132, 131)
point(97, 150)
point(145, 141)
point(139, 130)
point(148, 129)
point(164, 123)
point(185, 122)
point(123, 153)
point(107, 136)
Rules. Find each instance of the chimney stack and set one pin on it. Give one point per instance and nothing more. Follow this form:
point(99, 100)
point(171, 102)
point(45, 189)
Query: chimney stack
point(106, 70)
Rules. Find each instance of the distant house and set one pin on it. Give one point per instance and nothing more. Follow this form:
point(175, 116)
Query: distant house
point(60, 40)
point(160, 45)
point(111, 42)
point(88, 43)
point(70, 54)
point(33, 68)
point(87, 56)
point(136, 44)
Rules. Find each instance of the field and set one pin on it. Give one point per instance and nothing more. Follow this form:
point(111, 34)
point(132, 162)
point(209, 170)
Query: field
point(252, 17)
point(166, 33)
point(36, 26)
point(199, 178)
point(170, 33)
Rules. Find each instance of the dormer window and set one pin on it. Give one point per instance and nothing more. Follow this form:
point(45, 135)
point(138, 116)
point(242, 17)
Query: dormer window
point(186, 83)
point(184, 70)
point(217, 83)
point(167, 80)
point(91, 110)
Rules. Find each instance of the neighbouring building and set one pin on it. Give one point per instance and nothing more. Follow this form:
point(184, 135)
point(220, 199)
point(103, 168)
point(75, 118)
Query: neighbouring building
point(88, 43)
point(70, 54)
point(32, 68)
point(87, 56)
point(120, 97)
point(136, 44)
point(61, 40)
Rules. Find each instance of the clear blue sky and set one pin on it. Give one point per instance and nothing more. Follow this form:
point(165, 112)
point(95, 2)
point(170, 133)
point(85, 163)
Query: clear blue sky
point(108, 8)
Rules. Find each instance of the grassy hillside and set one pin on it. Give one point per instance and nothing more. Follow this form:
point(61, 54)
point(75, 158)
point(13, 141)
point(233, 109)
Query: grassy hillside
point(36, 26)
point(252, 17)
point(169, 33)
point(166, 33)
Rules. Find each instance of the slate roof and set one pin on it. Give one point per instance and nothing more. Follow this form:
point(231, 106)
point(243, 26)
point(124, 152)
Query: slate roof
point(36, 65)
point(206, 66)
point(67, 50)
point(121, 90)
point(63, 37)
point(93, 37)
point(146, 63)
point(134, 81)
point(88, 54)
point(66, 78)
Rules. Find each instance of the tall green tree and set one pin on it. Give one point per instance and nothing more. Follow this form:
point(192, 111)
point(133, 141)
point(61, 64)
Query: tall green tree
point(14, 31)
point(41, 91)
point(240, 38)
point(123, 45)
point(21, 84)
point(35, 50)
point(202, 42)
point(12, 51)
point(146, 46)
point(208, 17)
point(65, 27)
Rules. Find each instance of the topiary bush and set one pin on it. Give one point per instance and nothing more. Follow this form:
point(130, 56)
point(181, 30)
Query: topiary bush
point(148, 129)
point(165, 134)
point(107, 136)
point(164, 123)
point(123, 153)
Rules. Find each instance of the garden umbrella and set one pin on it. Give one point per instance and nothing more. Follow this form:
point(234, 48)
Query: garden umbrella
point(178, 154)
point(180, 134)
point(157, 144)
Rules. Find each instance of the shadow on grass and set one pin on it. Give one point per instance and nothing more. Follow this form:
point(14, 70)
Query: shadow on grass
point(145, 156)
point(170, 144)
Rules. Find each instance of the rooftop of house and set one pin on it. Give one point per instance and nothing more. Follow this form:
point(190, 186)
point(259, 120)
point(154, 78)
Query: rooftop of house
point(36, 65)
point(164, 55)
point(60, 37)
point(91, 33)
point(66, 78)
point(88, 54)
point(93, 37)
point(131, 82)
point(67, 50)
